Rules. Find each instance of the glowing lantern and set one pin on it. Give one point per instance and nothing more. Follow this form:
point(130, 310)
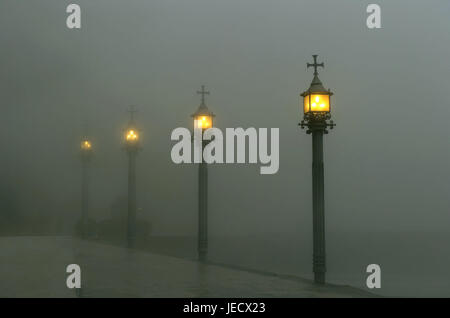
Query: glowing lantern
point(86, 145)
point(316, 99)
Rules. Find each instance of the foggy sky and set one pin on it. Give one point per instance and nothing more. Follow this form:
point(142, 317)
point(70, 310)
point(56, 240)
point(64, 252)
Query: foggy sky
point(387, 163)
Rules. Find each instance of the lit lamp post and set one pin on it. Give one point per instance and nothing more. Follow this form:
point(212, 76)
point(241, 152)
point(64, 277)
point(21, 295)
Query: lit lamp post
point(203, 119)
point(316, 109)
point(86, 153)
point(132, 147)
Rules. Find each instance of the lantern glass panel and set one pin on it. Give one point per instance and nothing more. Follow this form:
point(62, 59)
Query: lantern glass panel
point(131, 135)
point(203, 122)
point(319, 103)
point(86, 145)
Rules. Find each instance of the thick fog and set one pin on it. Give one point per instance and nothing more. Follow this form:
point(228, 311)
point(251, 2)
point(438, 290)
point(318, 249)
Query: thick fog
point(387, 163)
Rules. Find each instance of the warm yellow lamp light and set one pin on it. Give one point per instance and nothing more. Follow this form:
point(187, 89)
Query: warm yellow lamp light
point(203, 122)
point(86, 145)
point(203, 117)
point(316, 99)
point(314, 102)
point(132, 135)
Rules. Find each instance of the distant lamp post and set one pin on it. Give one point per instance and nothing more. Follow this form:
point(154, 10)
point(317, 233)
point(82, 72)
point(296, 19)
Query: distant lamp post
point(317, 114)
point(203, 119)
point(132, 147)
point(86, 154)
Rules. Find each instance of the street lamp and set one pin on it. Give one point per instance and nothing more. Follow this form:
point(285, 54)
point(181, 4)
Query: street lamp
point(316, 118)
point(203, 119)
point(131, 139)
point(86, 154)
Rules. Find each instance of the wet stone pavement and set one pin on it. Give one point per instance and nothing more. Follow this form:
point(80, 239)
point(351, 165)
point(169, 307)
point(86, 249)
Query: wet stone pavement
point(36, 267)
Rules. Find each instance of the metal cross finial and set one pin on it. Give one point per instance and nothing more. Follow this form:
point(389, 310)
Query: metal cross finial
point(315, 64)
point(203, 93)
point(132, 109)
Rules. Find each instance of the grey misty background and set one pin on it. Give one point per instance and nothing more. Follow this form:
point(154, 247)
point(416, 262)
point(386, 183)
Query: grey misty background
point(387, 173)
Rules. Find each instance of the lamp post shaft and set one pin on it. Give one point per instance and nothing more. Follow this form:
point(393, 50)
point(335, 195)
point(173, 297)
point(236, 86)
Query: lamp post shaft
point(131, 221)
point(319, 264)
point(202, 210)
point(84, 196)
